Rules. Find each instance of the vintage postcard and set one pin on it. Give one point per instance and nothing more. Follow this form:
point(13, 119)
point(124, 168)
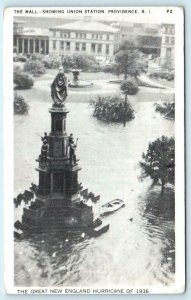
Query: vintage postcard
point(94, 150)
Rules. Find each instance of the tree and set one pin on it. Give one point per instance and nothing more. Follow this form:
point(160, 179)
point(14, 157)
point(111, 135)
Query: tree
point(112, 109)
point(20, 106)
point(35, 67)
point(159, 162)
point(129, 87)
point(81, 61)
point(128, 60)
point(167, 109)
point(22, 80)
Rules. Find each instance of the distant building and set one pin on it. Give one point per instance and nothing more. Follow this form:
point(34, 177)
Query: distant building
point(93, 38)
point(154, 39)
point(167, 44)
point(146, 37)
point(30, 40)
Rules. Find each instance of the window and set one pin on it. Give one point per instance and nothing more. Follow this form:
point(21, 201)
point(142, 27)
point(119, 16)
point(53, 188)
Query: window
point(54, 33)
point(83, 46)
point(172, 40)
point(93, 47)
point(67, 45)
point(166, 39)
point(77, 34)
point(54, 45)
point(99, 48)
point(107, 49)
point(61, 45)
point(61, 34)
point(77, 46)
point(166, 29)
point(171, 29)
point(107, 36)
point(168, 52)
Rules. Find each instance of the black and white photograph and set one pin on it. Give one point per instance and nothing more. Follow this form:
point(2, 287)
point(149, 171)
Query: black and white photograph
point(95, 150)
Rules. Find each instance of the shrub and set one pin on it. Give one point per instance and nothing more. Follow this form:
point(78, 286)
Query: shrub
point(20, 106)
point(129, 87)
point(158, 162)
point(51, 63)
point(22, 80)
point(81, 61)
point(163, 74)
point(112, 109)
point(36, 56)
point(34, 67)
point(110, 68)
point(167, 109)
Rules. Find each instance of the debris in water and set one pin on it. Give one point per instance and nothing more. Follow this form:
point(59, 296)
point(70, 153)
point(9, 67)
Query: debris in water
point(66, 240)
point(83, 235)
point(42, 241)
point(169, 258)
point(54, 254)
point(131, 219)
point(171, 251)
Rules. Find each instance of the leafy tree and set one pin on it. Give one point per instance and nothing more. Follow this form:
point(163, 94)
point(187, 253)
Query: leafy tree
point(112, 109)
point(129, 87)
point(81, 61)
point(20, 106)
point(35, 67)
point(159, 162)
point(167, 109)
point(128, 60)
point(22, 80)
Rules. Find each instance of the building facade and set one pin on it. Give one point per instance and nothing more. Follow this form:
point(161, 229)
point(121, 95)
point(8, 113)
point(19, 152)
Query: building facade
point(89, 37)
point(167, 44)
point(30, 40)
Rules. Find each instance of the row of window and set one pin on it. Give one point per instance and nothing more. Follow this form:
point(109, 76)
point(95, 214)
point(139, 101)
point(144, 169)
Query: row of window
point(169, 29)
point(81, 35)
point(80, 47)
point(169, 40)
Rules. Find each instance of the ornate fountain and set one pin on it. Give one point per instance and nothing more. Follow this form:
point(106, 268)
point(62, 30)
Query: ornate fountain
point(76, 82)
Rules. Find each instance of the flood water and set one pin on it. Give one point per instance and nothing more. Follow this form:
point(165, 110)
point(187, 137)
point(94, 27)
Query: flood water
point(139, 248)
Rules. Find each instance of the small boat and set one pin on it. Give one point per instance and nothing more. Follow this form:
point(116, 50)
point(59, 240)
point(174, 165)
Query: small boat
point(111, 206)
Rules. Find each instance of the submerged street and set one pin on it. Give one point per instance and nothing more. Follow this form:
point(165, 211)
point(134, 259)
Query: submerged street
point(139, 246)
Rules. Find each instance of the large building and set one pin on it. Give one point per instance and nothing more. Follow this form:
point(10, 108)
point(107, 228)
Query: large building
point(167, 44)
point(90, 37)
point(95, 38)
point(155, 39)
point(30, 40)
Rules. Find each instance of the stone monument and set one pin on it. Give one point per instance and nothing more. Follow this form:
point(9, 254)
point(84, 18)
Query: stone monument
point(60, 201)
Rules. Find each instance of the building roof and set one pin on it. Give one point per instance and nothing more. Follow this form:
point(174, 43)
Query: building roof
point(35, 31)
point(86, 26)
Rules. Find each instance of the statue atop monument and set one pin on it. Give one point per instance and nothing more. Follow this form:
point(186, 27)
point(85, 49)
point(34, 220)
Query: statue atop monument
point(59, 88)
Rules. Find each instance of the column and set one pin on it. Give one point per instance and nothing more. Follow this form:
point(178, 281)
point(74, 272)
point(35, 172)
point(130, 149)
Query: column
point(28, 46)
point(22, 46)
point(17, 43)
point(51, 183)
point(39, 50)
point(34, 45)
point(46, 46)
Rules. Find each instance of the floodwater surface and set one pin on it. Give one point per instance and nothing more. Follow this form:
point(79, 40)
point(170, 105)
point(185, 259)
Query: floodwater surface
point(139, 248)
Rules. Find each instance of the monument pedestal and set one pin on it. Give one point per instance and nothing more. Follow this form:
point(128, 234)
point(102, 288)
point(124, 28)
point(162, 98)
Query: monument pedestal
point(59, 202)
